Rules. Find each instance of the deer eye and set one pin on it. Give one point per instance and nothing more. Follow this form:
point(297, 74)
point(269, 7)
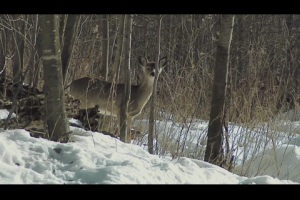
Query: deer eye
point(148, 68)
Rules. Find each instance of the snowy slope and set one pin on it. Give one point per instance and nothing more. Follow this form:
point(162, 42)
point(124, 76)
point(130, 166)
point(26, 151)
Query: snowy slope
point(96, 158)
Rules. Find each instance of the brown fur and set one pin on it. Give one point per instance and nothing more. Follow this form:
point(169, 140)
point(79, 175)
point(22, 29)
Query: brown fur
point(93, 92)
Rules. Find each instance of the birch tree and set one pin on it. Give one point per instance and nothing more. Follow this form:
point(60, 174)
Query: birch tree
point(124, 131)
point(55, 119)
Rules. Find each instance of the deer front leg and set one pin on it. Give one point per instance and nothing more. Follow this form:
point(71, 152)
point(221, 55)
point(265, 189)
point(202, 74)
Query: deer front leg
point(129, 119)
point(128, 129)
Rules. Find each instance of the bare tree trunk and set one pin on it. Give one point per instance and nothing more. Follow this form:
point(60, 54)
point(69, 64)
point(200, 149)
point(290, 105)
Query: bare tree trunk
point(18, 37)
point(32, 54)
point(3, 52)
point(290, 61)
point(105, 46)
point(38, 53)
point(297, 46)
point(125, 119)
point(26, 38)
point(147, 40)
point(62, 27)
point(120, 42)
point(152, 105)
point(213, 153)
point(114, 39)
point(55, 120)
point(18, 46)
point(69, 35)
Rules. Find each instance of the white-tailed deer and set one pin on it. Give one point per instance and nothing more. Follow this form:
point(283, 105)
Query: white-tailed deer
point(93, 92)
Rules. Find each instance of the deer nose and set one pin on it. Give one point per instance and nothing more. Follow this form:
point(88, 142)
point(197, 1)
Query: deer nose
point(152, 74)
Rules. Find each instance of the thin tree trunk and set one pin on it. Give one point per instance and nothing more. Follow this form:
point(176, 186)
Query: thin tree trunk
point(290, 62)
point(26, 38)
point(105, 46)
point(18, 48)
point(213, 153)
point(38, 53)
point(120, 42)
point(62, 27)
point(297, 65)
point(32, 55)
point(152, 105)
point(113, 44)
point(125, 119)
point(18, 39)
point(147, 40)
point(3, 51)
point(69, 41)
point(55, 120)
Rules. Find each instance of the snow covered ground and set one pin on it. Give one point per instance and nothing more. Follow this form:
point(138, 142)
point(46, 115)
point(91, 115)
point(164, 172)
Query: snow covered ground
point(98, 159)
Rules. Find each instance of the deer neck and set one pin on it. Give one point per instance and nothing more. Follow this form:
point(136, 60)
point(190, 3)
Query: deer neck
point(146, 87)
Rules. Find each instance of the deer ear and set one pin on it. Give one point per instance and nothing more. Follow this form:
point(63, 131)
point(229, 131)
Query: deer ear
point(162, 62)
point(142, 60)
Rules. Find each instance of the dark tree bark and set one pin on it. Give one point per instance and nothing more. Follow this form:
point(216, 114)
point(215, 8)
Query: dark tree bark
point(213, 153)
point(56, 122)
point(69, 40)
point(33, 53)
point(105, 46)
point(125, 119)
point(27, 46)
point(38, 53)
point(153, 99)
